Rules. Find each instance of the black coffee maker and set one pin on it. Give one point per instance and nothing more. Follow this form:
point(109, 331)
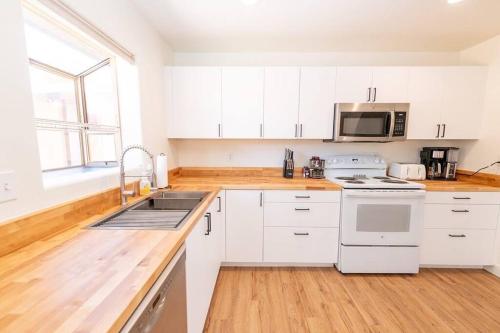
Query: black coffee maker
point(440, 162)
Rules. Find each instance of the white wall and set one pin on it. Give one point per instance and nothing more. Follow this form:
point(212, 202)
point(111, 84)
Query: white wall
point(486, 151)
point(18, 146)
point(270, 153)
point(318, 59)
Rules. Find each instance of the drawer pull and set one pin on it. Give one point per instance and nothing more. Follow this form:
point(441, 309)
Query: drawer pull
point(457, 236)
point(302, 209)
point(301, 233)
point(460, 210)
point(461, 198)
point(302, 197)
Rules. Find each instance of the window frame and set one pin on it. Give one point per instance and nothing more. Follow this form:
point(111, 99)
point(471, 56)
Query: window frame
point(83, 127)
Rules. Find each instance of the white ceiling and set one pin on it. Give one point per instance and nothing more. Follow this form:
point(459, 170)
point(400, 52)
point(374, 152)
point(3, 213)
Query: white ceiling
point(322, 25)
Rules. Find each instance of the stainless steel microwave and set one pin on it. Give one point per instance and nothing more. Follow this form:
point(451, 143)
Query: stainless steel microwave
point(370, 122)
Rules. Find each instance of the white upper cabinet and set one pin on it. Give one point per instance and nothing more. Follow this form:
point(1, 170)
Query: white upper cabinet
point(281, 102)
point(446, 102)
point(242, 102)
point(390, 85)
point(316, 103)
point(463, 102)
point(354, 84)
point(372, 84)
point(426, 102)
point(196, 102)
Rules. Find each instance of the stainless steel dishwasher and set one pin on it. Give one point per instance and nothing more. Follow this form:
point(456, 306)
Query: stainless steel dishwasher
point(163, 309)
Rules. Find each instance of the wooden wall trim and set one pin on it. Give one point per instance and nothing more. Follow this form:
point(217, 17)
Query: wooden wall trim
point(21, 231)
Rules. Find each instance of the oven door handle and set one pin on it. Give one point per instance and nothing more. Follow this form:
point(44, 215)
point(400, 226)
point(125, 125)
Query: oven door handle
point(417, 194)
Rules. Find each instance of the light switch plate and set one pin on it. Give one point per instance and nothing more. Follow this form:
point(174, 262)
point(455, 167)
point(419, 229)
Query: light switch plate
point(7, 186)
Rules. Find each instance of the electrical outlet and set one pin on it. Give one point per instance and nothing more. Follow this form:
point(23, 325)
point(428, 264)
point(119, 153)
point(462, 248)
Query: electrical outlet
point(7, 186)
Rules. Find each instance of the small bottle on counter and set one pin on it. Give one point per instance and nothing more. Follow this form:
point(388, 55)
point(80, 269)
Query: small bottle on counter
point(144, 186)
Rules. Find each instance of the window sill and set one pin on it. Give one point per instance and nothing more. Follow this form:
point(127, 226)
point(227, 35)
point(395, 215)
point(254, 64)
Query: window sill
point(61, 178)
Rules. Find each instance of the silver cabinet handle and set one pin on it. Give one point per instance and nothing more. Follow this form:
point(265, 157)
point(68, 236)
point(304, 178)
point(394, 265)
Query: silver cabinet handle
point(457, 236)
point(209, 223)
point(460, 210)
point(301, 233)
point(261, 130)
point(369, 95)
point(220, 205)
point(444, 131)
point(302, 197)
point(261, 198)
point(296, 130)
point(220, 130)
point(300, 130)
point(374, 94)
point(302, 209)
point(439, 130)
point(461, 198)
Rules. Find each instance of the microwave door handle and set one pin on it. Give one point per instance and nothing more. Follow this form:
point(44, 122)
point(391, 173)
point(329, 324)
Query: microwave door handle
point(391, 116)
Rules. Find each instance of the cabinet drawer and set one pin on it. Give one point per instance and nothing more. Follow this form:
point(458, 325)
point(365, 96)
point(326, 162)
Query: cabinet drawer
point(457, 247)
point(471, 198)
point(301, 245)
point(461, 216)
point(301, 196)
point(302, 214)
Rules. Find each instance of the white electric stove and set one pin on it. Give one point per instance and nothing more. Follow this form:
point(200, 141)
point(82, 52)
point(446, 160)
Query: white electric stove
point(381, 217)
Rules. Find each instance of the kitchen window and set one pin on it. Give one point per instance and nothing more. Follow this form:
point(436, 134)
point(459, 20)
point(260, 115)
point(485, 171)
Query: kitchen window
point(75, 95)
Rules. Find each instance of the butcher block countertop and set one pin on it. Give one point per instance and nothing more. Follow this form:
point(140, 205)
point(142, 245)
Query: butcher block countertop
point(457, 186)
point(83, 280)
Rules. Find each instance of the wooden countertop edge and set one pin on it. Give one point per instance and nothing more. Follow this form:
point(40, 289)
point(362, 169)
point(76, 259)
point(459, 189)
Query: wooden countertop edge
point(184, 233)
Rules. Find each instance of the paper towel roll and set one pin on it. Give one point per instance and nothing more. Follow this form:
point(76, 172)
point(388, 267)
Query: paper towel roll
point(161, 171)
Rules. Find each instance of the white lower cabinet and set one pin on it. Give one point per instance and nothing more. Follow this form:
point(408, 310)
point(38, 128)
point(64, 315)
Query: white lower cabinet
point(458, 247)
point(301, 245)
point(244, 225)
point(203, 258)
point(460, 228)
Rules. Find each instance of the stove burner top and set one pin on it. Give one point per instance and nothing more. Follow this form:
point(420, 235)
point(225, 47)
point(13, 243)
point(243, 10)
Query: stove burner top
point(355, 182)
point(345, 178)
point(394, 181)
point(381, 177)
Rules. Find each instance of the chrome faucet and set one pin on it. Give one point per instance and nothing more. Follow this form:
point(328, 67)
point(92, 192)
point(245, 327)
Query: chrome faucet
point(124, 194)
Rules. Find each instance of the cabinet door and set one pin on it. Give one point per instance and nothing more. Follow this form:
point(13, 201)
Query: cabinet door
point(244, 226)
point(196, 102)
point(281, 102)
point(390, 85)
point(242, 102)
point(219, 212)
point(425, 92)
point(463, 102)
point(353, 84)
point(317, 100)
point(198, 268)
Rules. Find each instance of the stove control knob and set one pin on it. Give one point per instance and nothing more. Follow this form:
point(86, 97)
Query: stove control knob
point(377, 161)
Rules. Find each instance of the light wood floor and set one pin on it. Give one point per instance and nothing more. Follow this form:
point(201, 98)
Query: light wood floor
point(323, 300)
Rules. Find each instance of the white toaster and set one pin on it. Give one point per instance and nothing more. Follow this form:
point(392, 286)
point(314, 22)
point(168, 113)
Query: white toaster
point(408, 171)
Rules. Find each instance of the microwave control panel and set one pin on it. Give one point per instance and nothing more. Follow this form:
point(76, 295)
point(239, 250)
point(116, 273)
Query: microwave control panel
point(399, 124)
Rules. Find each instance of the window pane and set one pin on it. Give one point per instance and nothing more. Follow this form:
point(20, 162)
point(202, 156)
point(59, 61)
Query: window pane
point(54, 96)
point(100, 98)
point(48, 43)
point(102, 147)
point(59, 148)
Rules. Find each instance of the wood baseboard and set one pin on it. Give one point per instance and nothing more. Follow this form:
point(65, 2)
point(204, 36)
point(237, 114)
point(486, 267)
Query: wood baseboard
point(21, 231)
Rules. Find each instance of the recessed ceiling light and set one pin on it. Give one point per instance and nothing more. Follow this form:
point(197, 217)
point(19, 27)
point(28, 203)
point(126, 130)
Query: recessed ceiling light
point(249, 2)
point(451, 2)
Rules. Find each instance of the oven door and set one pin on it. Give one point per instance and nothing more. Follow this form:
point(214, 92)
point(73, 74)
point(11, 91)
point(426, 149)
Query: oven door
point(382, 217)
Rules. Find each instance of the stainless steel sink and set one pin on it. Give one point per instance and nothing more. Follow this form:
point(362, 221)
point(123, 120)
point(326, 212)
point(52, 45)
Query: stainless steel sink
point(163, 210)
